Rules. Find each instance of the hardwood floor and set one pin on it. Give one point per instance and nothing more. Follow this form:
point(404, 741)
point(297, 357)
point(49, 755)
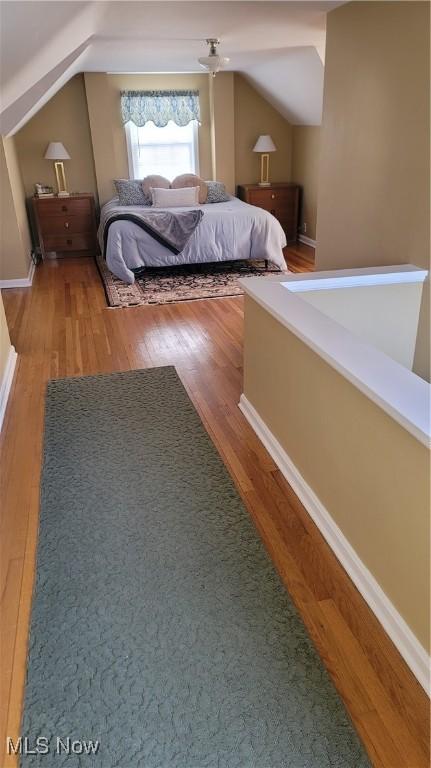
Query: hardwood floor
point(299, 257)
point(62, 327)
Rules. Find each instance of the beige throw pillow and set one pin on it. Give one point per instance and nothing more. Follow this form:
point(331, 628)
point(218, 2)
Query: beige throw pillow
point(191, 180)
point(154, 181)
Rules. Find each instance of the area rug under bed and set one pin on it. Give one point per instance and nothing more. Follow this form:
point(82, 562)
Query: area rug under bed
point(159, 626)
point(189, 282)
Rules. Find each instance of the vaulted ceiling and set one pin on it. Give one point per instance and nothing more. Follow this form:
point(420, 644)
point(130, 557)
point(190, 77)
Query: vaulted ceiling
point(278, 46)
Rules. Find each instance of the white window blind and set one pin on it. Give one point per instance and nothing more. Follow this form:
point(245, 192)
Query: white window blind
point(168, 151)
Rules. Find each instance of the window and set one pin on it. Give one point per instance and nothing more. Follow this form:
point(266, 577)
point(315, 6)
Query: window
point(167, 151)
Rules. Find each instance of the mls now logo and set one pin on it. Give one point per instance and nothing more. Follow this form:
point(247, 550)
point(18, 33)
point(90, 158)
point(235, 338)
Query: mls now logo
point(42, 745)
point(24, 746)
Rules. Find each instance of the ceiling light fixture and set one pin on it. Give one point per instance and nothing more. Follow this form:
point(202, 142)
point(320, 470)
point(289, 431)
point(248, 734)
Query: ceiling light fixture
point(213, 62)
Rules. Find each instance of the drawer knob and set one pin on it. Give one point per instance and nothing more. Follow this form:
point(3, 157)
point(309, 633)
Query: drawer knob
point(66, 224)
point(273, 196)
point(64, 208)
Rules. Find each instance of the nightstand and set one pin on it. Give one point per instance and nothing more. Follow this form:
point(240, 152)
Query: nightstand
point(66, 225)
point(281, 199)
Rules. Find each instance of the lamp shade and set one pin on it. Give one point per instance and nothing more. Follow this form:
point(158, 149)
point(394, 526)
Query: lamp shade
point(264, 144)
point(56, 151)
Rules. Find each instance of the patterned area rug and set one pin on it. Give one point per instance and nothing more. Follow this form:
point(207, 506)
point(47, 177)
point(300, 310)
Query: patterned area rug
point(186, 283)
point(160, 630)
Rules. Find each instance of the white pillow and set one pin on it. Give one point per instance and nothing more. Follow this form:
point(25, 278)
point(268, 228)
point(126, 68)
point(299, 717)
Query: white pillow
point(174, 198)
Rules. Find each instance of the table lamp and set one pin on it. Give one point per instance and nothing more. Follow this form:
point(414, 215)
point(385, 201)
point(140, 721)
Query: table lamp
point(57, 151)
point(264, 144)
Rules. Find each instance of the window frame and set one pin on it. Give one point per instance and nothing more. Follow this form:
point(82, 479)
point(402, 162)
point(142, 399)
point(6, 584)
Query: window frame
point(130, 142)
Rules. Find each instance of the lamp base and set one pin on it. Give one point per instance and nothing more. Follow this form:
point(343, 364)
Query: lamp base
point(264, 170)
point(61, 179)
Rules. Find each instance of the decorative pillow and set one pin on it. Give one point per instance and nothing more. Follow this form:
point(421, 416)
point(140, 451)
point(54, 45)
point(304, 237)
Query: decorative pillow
point(154, 181)
point(130, 192)
point(191, 180)
point(175, 198)
point(217, 192)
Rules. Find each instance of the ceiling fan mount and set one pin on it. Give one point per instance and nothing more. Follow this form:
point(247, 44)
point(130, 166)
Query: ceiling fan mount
point(213, 62)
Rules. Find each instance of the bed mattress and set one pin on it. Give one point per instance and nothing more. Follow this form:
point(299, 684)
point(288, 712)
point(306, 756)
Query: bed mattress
point(227, 232)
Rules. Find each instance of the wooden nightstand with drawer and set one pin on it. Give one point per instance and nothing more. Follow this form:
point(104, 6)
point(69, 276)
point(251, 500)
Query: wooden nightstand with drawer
point(281, 199)
point(66, 225)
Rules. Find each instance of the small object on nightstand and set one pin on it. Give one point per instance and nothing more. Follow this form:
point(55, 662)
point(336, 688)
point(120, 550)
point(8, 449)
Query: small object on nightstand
point(281, 199)
point(43, 190)
point(66, 226)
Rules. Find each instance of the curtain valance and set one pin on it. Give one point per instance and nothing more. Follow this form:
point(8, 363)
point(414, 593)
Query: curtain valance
point(160, 106)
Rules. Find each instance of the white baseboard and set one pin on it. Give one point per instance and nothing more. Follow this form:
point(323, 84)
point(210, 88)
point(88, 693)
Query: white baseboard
point(6, 382)
point(20, 282)
point(400, 633)
point(307, 240)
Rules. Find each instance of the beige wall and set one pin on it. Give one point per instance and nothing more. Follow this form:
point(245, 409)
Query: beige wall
point(85, 116)
point(305, 171)
point(5, 344)
point(233, 115)
point(222, 100)
point(15, 243)
point(373, 205)
point(255, 116)
point(370, 473)
point(107, 130)
point(64, 118)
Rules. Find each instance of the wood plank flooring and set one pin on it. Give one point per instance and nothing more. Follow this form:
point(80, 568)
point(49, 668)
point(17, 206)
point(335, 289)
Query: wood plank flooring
point(299, 257)
point(62, 327)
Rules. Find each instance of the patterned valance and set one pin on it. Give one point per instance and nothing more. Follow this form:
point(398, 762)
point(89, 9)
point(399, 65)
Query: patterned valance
point(160, 106)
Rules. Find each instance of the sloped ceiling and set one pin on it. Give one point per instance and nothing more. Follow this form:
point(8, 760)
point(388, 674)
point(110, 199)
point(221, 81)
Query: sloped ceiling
point(278, 46)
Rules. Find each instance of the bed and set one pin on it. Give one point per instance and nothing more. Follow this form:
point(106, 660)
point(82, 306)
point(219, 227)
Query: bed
point(228, 231)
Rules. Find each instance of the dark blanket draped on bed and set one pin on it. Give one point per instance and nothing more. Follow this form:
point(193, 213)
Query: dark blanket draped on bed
point(172, 230)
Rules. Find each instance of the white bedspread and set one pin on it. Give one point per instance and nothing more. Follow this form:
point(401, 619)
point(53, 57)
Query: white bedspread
point(228, 231)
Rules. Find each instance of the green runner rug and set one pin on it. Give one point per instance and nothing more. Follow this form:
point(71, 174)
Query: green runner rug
point(160, 631)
